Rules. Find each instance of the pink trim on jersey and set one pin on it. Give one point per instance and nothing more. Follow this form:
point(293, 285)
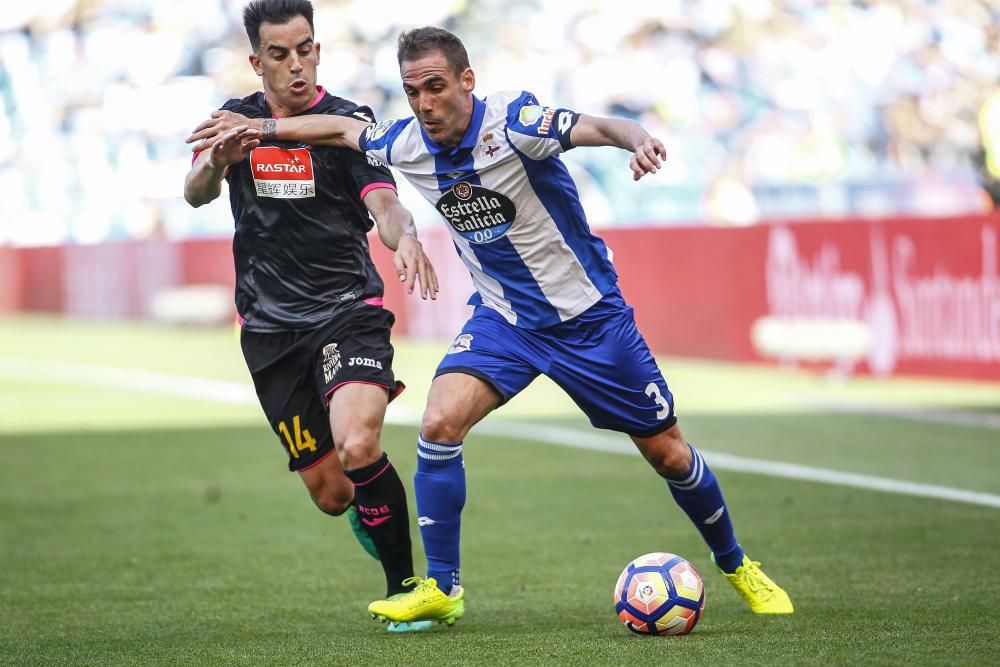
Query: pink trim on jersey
point(374, 477)
point(320, 92)
point(393, 393)
point(375, 301)
point(375, 186)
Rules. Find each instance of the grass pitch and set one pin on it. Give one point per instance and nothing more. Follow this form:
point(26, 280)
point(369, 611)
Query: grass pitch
point(141, 527)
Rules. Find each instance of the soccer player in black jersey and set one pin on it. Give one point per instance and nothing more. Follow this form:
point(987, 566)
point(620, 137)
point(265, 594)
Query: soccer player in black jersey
point(315, 335)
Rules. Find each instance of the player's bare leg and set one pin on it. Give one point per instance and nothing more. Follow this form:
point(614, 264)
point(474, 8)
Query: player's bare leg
point(328, 486)
point(357, 411)
point(456, 403)
point(694, 487)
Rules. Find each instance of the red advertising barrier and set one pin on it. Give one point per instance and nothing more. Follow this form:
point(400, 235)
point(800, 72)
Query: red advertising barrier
point(915, 296)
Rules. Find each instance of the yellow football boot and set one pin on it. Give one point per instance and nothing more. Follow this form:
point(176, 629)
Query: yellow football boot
point(425, 602)
point(761, 593)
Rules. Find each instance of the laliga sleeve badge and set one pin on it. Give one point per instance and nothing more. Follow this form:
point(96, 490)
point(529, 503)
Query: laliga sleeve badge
point(378, 130)
point(529, 115)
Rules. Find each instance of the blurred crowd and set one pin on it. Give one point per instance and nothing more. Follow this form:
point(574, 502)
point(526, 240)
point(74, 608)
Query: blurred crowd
point(769, 108)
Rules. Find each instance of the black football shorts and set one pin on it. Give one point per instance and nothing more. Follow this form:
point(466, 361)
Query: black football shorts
point(295, 372)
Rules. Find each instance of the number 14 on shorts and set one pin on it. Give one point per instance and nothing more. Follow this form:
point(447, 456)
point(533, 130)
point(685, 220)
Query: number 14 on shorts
point(303, 439)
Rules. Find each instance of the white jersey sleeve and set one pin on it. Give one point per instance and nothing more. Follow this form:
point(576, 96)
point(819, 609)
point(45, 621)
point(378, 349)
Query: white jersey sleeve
point(538, 131)
point(376, 141)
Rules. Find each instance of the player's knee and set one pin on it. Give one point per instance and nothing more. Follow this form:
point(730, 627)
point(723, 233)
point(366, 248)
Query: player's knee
point(359, 450)
point(437, 425)
point(671, 457)
point(676, 461)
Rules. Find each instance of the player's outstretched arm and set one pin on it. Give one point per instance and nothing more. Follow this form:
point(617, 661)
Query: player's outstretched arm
point(626, 134)
point(203, 182)
point(397, 231)
point(314, 129)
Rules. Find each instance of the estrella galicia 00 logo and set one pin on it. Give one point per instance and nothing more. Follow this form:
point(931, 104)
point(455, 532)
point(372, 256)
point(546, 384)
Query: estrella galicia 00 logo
point(478, 214)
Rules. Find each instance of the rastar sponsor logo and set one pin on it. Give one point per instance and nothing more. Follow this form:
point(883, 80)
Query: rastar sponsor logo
point(282, 173)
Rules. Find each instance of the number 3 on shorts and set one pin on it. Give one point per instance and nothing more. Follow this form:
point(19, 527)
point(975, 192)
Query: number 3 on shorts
point(654, 393)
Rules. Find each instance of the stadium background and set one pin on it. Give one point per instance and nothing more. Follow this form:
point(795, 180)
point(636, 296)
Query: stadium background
point(826, 210)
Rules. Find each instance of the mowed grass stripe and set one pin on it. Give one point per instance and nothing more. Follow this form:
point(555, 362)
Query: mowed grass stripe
point(222, 391)
point(195, 547)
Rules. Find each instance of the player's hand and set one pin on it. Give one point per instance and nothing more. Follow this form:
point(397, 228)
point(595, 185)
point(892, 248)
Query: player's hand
point(232, 147)
point(647, 158)
point(412, 265)
point(221, 122)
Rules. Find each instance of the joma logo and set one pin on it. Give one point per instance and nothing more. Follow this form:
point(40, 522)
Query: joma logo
point(364, 361)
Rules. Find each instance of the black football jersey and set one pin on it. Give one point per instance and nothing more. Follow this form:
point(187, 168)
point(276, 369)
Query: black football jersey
point(301, 247)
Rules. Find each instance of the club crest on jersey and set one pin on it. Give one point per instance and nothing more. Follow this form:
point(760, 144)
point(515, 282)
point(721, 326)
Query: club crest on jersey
point(478, 214)
point(489, 148)
point(282, 173)
point(331, 361)
point(463, 343)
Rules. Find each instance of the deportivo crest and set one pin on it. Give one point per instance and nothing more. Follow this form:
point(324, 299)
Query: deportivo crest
point(463, 343)
point(478, 214)
point(331, 361)
point(282, 173)
point(489, 146)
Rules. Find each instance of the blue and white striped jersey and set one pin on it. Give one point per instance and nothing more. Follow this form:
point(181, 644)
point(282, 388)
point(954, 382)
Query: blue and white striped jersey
point(513, 211)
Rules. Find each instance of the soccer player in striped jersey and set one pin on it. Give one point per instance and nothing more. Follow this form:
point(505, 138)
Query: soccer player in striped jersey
point(546, 301)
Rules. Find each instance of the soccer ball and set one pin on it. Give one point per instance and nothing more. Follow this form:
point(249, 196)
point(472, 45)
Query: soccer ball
point(659, 594)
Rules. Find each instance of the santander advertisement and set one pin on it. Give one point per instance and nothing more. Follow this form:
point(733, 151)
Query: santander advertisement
point(892, 296)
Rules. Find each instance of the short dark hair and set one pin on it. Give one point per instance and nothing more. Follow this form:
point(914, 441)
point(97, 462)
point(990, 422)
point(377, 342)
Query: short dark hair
point(274, 11)
point(421, 41)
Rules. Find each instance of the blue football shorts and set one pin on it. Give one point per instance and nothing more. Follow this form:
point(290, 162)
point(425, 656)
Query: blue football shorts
point(599, 358)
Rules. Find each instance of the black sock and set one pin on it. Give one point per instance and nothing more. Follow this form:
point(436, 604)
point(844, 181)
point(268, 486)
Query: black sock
point(381, 502)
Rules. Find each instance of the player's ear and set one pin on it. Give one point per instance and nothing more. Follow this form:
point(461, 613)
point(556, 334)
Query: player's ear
point(255, 63)
point(316, 46)
point(468, 80)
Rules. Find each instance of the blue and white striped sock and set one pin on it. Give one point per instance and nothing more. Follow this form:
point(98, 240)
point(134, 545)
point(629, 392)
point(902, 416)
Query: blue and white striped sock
point(439, 486)
point(699, 495)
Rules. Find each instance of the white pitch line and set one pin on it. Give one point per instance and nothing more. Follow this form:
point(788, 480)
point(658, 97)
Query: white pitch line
point(927, 415)
point(131, 379)
point(239, 393)
point(598, 441)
